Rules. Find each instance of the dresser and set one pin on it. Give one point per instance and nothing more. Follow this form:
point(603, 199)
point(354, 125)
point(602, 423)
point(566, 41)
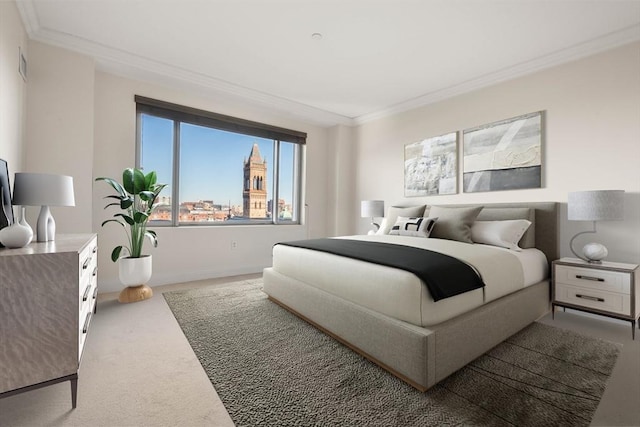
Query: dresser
point(609, 289)
point(48, 295)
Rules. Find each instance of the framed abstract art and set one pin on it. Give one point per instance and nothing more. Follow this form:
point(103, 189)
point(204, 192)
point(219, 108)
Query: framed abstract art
point(431, 166)
point(504, 155)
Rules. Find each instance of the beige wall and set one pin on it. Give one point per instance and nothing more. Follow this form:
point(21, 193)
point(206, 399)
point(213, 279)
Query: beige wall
point(59, 135)
point(592, 141)
point(190, 253)
point(12, 88)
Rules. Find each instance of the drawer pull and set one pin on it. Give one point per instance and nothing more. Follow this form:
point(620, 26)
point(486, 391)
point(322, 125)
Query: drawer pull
point(95, 292)
point(95, 271)
point(86, 292)
point(95, 249)
point(595, 279)
point(86, 263)
point(590, 298)
point(87, 319)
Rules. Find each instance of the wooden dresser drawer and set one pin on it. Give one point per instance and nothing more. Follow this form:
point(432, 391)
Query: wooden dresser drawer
point(88, 261)
point(86, 286)
point(86, 309)
point(601, 280)
point(88, 289)
point(612, 302)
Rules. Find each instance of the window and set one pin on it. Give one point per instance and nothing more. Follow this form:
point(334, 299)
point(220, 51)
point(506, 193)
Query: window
point(219, 169)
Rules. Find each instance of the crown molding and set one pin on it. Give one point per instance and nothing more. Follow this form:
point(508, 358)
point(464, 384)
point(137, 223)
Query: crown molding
point(29, 16)
point(609, 41)
point(125, 64)
point(132, 66)
point(163, 74)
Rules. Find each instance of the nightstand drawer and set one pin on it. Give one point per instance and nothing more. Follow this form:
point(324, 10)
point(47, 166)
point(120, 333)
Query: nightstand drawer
point(601, 300)
point(601, 280)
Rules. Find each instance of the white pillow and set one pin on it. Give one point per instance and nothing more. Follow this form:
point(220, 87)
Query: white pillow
point(416, 227)
point(505, 234)
point(394, 212)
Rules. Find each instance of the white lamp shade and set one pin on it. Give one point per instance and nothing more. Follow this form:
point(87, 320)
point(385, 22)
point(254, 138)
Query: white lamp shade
point(372, 208)
point(41, 189)
point(601, 205)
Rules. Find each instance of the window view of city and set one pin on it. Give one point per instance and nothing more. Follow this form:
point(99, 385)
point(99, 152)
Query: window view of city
point(222, 176)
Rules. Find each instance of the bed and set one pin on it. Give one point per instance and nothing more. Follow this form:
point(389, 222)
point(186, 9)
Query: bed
point(389, 316)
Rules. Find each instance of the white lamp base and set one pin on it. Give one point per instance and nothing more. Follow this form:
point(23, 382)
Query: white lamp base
point(46, 227)
point(375, 225)
point(595, 252)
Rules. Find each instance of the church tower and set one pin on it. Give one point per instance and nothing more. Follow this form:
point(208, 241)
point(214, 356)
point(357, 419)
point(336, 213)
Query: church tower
point(254, 194)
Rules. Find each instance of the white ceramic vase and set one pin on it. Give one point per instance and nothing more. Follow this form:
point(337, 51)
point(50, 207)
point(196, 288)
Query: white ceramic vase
point(17, 235)
point(135, 271)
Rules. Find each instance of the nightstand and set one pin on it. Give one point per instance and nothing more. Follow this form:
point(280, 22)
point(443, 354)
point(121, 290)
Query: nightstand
point(610, 289)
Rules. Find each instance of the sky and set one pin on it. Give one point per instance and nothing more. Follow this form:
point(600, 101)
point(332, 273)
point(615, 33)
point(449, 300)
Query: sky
point(211, 161)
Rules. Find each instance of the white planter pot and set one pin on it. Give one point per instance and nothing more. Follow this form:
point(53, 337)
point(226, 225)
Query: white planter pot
point(135, 271)
point(134, 274)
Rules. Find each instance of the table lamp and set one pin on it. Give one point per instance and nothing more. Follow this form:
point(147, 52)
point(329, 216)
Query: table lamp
point(41, 189)
point(601, 205)
point(372, 209)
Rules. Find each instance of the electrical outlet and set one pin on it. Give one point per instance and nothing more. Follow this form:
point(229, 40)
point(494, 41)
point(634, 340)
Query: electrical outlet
point(234, 245)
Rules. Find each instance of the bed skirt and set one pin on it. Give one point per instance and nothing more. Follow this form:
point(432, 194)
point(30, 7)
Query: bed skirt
point(420, 356)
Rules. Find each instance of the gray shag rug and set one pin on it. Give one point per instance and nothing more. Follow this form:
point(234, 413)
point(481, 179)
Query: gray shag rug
point(271, 368)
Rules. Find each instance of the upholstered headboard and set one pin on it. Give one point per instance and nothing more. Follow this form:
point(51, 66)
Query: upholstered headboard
point(543, 233)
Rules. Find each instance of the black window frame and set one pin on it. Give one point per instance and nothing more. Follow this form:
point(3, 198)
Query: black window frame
point(183, 114)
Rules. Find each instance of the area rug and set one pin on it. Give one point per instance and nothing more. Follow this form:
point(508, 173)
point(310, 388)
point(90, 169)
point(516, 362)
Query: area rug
point(271, 368)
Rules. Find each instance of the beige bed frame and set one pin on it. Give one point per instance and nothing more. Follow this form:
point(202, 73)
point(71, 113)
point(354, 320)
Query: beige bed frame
point(423, 356)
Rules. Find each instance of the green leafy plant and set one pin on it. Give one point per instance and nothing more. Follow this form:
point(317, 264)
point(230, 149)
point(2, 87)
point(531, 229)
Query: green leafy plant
point(136, 196)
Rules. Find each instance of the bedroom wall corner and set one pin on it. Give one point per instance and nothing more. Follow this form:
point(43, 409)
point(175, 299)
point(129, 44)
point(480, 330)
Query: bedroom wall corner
point(13, 39)
point(340, 178)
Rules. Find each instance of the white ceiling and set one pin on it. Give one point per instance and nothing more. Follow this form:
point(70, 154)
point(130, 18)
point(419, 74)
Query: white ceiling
point(374, 58)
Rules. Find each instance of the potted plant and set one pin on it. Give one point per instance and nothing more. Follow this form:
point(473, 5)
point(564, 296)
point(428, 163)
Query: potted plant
point(135, 198)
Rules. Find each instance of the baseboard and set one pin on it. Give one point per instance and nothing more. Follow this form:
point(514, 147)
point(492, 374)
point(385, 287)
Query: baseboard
point(106, 286)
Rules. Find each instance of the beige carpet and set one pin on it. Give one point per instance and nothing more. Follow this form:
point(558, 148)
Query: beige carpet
point(271, 368)
point(137, 355)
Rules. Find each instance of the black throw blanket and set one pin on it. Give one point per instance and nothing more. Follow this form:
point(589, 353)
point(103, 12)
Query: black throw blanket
point(445, 276)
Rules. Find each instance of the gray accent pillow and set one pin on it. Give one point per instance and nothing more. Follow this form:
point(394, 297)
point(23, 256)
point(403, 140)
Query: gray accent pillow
point(394, 212)
point(454, 223)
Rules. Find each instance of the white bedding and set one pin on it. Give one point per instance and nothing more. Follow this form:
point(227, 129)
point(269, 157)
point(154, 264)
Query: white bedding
point(401, 294)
